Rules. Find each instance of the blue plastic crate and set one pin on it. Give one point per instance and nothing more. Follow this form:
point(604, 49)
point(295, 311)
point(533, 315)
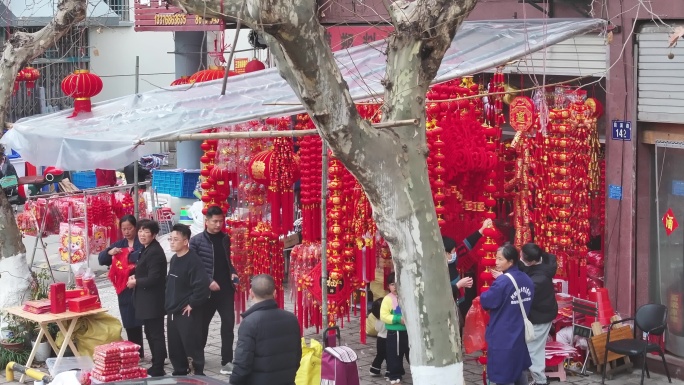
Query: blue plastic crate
point(177, 183)
point(84, 179)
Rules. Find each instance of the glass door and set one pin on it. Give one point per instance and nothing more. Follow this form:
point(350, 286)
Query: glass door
point(669, 263)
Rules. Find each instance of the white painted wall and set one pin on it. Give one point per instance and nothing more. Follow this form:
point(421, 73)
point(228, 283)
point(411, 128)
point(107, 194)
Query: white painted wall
point(112, 57)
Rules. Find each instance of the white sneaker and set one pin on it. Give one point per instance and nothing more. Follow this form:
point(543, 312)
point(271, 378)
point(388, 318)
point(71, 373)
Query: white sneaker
point(395, 382)
point(227, 368)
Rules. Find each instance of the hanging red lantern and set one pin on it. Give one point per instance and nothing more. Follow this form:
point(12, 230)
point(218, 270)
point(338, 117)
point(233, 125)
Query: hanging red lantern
point(82, 85)
point(30, 75)
point(259, 167)
point(180, 81)
point(254, 65)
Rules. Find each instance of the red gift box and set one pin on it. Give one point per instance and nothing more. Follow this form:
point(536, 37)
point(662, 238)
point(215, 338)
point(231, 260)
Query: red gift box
point(76, 293)
point(83, 304)
point(57, 298)
point(38, 307)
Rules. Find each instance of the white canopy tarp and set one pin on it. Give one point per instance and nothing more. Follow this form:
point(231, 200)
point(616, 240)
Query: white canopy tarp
point(106, 138)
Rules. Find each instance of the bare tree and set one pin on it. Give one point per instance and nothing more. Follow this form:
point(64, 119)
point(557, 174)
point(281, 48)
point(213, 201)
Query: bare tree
point(390, 164)
point(19, 50)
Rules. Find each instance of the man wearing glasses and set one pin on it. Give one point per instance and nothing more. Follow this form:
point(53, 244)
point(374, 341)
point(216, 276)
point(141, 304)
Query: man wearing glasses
point(187, 290)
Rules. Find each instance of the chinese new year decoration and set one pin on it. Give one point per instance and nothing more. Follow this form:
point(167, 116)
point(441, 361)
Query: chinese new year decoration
point(81, 85)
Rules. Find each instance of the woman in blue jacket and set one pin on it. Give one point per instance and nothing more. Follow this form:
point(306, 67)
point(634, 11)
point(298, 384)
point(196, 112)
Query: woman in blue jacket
point(507, 354)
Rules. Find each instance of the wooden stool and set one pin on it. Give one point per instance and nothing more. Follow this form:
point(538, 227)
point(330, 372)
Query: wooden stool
point(557, 363)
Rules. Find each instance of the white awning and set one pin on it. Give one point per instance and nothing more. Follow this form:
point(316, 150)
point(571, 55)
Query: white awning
point(106, 137)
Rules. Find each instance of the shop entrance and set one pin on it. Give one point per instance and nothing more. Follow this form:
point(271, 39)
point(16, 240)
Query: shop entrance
point(668, 261)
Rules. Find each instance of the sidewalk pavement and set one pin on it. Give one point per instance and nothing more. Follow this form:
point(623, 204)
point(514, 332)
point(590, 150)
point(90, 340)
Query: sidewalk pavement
point(350, 337)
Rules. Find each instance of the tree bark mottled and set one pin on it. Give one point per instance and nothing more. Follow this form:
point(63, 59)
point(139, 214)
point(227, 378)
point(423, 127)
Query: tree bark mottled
point(390, 164)
point(20, 49)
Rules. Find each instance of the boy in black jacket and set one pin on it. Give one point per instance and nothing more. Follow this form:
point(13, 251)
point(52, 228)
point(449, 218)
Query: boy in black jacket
point(187, 289)
point(541, 268)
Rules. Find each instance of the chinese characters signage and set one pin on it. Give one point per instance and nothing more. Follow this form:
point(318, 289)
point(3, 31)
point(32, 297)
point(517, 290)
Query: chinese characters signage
point(343, 37)
point(670, 222)
point(155, 16)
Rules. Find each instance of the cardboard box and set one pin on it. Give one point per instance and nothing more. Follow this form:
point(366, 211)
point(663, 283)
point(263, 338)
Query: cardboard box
point(37, 307)
point(291, 240)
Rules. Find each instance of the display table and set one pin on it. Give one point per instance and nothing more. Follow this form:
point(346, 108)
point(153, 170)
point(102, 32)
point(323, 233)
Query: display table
point(61, 319)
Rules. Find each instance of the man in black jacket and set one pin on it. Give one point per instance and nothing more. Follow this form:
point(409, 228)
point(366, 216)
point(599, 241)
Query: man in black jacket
point(268, 348)
point(187, 289)
point(541, 268)
point(213, 248)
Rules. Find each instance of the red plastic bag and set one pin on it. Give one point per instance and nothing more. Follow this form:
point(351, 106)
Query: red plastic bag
point(475, 326)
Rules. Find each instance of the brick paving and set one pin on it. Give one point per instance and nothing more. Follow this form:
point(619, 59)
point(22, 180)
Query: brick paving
point(350, 337)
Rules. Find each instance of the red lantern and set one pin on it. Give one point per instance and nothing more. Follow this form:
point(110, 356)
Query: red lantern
point(260, 167)
point(213, 73)
point(182, 80)
point(30, 75)
point(254, 65)
point(81, 85)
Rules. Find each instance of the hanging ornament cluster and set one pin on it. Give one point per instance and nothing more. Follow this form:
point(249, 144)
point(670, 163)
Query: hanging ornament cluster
point(303, 260)
point(29, 76)
point(240, 252)
point(284, 172)
point(310, 156)
point(215, 189)
point(82, 85)
point(523, 119)
point(267, 257)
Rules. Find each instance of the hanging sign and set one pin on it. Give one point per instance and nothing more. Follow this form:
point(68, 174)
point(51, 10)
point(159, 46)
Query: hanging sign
point(670, 222)
point(622, 130)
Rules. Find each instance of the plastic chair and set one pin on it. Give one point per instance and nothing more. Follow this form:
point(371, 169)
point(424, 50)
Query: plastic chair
point(651, 319)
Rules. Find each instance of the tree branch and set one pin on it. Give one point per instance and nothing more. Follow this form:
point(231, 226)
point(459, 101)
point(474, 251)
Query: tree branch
point(23, 47)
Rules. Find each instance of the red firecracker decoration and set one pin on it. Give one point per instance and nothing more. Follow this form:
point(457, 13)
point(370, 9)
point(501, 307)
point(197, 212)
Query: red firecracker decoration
point(81, 85)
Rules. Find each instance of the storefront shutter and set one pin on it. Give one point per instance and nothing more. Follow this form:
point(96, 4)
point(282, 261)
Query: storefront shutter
point(660, 78)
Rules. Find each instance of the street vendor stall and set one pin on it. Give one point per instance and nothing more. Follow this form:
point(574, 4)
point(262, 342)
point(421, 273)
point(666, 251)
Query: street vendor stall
point(66, 322)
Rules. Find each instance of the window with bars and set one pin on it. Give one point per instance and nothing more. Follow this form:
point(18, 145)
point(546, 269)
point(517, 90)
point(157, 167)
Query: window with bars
point(121, 7)
point(70, 53)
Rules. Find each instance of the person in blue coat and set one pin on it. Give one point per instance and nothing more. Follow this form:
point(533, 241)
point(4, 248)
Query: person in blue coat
point(133, 326)
point(507, 354)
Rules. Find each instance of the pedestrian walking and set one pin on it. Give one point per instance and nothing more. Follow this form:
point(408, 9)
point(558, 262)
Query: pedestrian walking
point(381, 343)
point(213, 248)
point(187, 290)
point(541, 268)
point(397, 338)
point(131, 247)
point(149, 282)
point(507, 354)
point(269, 347)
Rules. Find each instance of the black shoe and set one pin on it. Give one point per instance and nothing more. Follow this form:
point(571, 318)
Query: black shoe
point(374, 372)
point(156, 372)
point(182, 372)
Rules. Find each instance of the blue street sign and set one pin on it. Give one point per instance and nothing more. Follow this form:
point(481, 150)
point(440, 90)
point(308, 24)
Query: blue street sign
point(622, 130)
point(678, 187)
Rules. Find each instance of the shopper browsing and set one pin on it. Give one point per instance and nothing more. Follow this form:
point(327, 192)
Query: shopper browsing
point(213, 248)
point(397, 338)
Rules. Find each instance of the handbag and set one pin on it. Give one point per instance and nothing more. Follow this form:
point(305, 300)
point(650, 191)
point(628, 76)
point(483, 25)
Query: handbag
point(529, 328)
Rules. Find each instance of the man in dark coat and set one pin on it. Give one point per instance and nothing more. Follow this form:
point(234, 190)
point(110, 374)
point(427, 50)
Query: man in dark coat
point(268, 348)
point(187, 289)
point(149, 282)
point(213, 248)
point(541, 268)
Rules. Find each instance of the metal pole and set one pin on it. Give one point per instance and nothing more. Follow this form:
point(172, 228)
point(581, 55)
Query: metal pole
point(136, 189)
point(324, 237)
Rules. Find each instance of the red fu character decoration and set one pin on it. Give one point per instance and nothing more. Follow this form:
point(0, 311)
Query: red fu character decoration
point(81, 85)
